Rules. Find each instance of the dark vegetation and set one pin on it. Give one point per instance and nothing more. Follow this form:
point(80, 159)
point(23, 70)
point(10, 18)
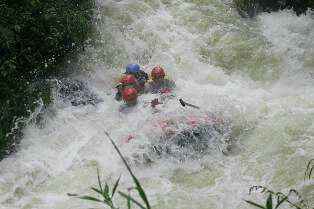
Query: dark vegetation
point(37, 37)
point(249, 8)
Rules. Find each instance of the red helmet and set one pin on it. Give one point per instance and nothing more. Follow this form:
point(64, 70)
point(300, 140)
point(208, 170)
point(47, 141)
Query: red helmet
point(158, 72)
point(129, 94)
point(128, 80)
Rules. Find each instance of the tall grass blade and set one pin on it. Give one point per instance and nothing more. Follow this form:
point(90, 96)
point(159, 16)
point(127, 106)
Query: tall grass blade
point(269, 202)
point(97, 190)
point(89, 198)
point(255, 204)
point(309, 169)
point(131, 199)
point(139, 188)
point(99, 182)
point(280, 201)
point(301, 201)
point(106, 190)
point(72, 195)
point(129, 202)
point(115, 187)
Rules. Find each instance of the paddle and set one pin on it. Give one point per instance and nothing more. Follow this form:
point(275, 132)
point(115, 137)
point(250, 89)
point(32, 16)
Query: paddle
point(156, 102)
point(183, 103)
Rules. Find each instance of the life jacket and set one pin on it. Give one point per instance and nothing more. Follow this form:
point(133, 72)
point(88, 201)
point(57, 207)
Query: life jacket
point(141, 77)
point(165, 86)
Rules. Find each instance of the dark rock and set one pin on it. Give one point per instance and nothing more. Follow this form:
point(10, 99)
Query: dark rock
point(76, 93)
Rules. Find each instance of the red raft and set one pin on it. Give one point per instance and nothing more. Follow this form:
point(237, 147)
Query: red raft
point(186, 135)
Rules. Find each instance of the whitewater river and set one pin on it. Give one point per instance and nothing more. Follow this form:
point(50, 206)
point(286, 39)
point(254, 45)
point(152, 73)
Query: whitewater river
point(258, 73)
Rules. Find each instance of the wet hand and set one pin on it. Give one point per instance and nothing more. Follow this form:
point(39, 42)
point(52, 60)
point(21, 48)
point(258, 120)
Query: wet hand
point(155, 102)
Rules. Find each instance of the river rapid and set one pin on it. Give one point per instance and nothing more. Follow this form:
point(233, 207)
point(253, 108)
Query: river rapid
point(258, 73)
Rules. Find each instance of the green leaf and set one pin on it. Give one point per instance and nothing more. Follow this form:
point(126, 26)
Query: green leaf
point(90, 198)
point(106, 196)
point(141, 192)
point(139, 188)
point(269, 202)
point(99, 182)
point(281, 201)
point(97, 190)
point(129, 198)
point(129, 202)
point(72, 195)
point(106, 190)
point(310, 173)
point(115, 187)
point(109, 203)
point(255, 204)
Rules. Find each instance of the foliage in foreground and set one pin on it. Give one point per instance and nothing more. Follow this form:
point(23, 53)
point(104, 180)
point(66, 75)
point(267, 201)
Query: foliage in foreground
point(36, 38)
point(273, 201)
point(309, 170)
point(107, 194)
point(251, 7)
point(280, 197)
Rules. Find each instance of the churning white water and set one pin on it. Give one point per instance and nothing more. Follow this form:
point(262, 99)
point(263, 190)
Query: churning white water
point(256, 73)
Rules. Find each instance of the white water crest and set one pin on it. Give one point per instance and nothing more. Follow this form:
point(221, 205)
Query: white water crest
point(257, 73)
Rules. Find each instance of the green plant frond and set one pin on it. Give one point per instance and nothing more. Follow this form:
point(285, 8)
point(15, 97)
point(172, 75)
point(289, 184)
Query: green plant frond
point(301, 203)
point(89, 198)
point(131, 199)
point(104, 192)
point(129, 202)
point(97, 190)
point(141, 192)
point(280, 197)
point(106, 189)
point(269, 201)
point(99, 182)
point(72, 195)
point(255, 204)
point(309, 169)
point(280, 201)
point(139, 188)
point(115, 187)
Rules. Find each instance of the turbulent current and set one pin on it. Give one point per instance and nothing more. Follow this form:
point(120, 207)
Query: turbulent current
point(257, 73)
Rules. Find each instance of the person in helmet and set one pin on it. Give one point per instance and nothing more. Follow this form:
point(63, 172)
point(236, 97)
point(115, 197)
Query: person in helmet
point(140, 75)
point(129, 96)
point(158, 83)
point(126, 81)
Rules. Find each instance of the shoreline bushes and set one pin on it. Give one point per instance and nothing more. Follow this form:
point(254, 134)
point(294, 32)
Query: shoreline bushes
point(37, 37)
point(249, 8)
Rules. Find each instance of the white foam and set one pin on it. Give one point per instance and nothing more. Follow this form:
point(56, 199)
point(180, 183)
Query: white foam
point(62, 157)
